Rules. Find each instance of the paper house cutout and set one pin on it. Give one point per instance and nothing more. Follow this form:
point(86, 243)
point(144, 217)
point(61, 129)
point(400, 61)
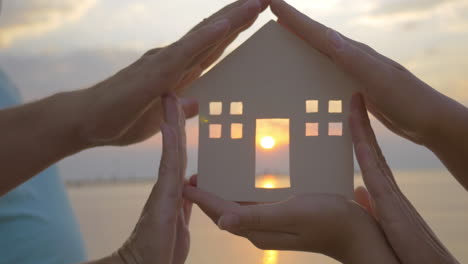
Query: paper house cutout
point(274, 75)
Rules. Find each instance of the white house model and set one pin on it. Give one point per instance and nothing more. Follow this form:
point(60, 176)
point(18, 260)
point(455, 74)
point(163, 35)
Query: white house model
point(276, 83)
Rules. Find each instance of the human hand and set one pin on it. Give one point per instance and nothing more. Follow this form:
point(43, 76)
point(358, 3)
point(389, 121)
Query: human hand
point(396, 97)
point(326, 224)
point(406, 231)
point(161, 234)
point(126, 108)
point(402, 102)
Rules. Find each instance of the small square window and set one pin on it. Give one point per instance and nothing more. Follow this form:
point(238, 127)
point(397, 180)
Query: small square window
point(215, 131)
point(334, 106)
point(335, 129)
point(312, 129)
point(236, 131)
point(216, 108)
point(236, 108)
point(312, 106)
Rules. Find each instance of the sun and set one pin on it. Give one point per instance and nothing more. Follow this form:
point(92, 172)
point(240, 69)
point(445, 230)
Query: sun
point(267, 142)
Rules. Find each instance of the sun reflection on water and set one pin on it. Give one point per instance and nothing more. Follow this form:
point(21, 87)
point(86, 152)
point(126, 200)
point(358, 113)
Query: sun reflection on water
point(270, 257)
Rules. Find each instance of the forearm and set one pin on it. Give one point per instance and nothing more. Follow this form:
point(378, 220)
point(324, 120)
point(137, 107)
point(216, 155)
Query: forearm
point(36, 135)
point(449, 137)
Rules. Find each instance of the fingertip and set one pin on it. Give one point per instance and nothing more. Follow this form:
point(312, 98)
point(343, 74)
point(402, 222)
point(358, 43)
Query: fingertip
point(193, 180)
point(190, 106)
point(228, 221)
point(253, 6)
point(264, 4)
point(362, 192)
point(273, 6)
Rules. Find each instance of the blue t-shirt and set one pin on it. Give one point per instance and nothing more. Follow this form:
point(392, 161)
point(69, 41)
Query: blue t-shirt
point(37, 224)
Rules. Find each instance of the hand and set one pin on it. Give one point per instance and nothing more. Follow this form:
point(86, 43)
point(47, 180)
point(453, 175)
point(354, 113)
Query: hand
point(126, 108)
point(326, 224)
point(403, 103)
point(410, 237)
point(391, 92)
point(161, 234)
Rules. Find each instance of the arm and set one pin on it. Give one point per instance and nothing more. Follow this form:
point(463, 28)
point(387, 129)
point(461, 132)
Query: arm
point(121, 110)
point(402, 102)
point(37, 135)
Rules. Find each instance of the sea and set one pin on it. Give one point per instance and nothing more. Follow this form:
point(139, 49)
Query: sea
point(107, 213)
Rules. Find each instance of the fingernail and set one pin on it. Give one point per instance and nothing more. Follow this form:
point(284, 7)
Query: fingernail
point(228, 221)
point(251, 2)
point(335, 40)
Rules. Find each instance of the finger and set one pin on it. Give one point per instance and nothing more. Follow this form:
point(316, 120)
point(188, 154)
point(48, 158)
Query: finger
point(409, 235)
point(190, 106)
point(312, 31)
point(240, 18)
point(187, 206)
point(363, 198)
point(213, 206)
point(181, 53)
point(193, 74)
point(237, 12)
point(194, 180)
point(168, 188)
point(360, 64)
point(173, 160)
point(272, 240)
point(211, 58)
point(271, 217)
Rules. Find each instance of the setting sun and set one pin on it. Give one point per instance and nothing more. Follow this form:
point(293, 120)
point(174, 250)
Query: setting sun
point(269, 183)
point(267, 142)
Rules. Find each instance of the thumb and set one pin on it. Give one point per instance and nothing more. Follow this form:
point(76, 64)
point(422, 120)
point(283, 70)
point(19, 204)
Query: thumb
point(190, 107)
point(364, 199)
point(265, 217)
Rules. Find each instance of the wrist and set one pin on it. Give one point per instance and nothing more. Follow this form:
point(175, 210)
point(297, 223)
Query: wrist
point(446, 123)
point(64, 115)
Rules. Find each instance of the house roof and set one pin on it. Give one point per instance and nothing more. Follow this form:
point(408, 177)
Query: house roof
point(274, 65)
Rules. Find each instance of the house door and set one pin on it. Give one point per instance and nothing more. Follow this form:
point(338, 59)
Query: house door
point(272, 154)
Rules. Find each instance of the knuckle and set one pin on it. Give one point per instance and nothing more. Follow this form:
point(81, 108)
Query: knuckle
point(179, 50)
point(151, 52)
point(168, 168)
point(253, 219)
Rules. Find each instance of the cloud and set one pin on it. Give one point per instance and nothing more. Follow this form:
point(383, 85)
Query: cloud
point(387, 7)
point(41, 75)
point(33, 17)
point(441, 15)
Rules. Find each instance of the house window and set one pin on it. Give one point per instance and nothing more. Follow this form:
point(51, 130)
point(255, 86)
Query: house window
point(335, 129)
point(312, 106)
point(216, 108)
point(236, 108)
point(334, 106)
point(312, 129)
point(215, 131)
point(236, 131)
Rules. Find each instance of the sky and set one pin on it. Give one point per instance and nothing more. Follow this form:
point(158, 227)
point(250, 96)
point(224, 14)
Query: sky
point(47, 46)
